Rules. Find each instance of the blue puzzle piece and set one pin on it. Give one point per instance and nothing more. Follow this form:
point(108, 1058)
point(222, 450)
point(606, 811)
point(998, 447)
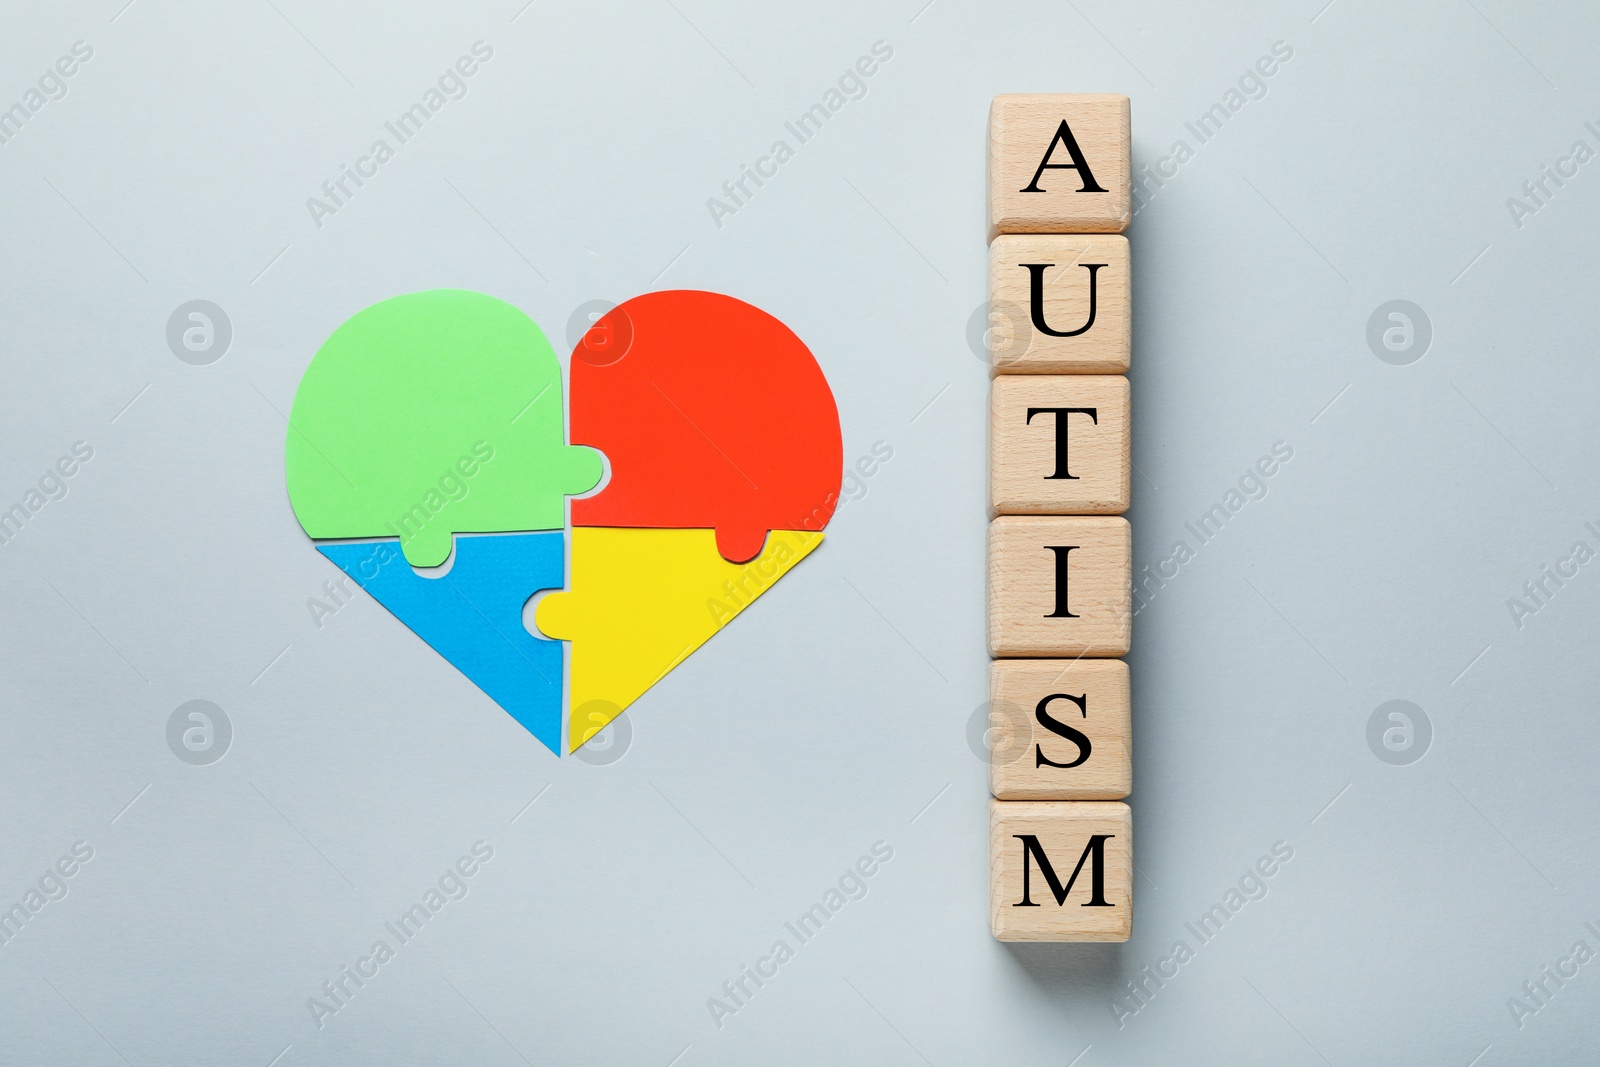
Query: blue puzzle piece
point(472, 615)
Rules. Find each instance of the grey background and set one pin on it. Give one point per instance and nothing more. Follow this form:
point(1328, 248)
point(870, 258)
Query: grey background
point(834, 714)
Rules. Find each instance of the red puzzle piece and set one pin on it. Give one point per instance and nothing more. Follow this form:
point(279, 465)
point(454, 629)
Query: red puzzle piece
point(712, 414)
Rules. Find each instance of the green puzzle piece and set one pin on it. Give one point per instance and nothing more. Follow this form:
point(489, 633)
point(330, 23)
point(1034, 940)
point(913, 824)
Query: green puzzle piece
point(428, 415)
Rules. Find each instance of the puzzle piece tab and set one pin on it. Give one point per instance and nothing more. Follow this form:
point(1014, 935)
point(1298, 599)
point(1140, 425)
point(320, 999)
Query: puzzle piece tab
point(641, 601)
point(713, 414)
point(472, 615)
point(428, 415)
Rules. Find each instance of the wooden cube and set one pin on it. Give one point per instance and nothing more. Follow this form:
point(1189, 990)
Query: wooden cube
point(1060, 871)
point(1059, 444)
point(1059, 304)
point(1060, 163)
point(1060, 585)
point(1060, 729)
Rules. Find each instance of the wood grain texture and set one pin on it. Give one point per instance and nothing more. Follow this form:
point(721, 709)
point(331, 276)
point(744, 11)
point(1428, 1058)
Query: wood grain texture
point(1024, 751)
point(1025, 458)
point(1018, 346)
point(1063, 829)
point(1023, 598)
point(1022, 129)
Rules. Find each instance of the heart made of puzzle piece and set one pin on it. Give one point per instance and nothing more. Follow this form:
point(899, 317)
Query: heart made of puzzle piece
point(427, 433)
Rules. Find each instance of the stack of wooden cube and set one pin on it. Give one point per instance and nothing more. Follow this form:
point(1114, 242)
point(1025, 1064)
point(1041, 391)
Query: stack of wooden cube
point(1060, 554)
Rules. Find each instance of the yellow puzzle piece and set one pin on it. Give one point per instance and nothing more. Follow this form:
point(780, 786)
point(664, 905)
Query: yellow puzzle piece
point(641, 600)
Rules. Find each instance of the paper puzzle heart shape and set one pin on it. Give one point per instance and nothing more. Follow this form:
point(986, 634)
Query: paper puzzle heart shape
point(427, 457)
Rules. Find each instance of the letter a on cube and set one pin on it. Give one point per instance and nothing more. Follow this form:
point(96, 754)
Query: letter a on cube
point(1060, 163)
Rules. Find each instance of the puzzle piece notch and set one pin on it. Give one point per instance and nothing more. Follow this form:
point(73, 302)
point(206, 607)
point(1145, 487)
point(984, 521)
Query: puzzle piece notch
point(642, 600)
point(472, 615)
point(737, 544)
point(713, 415)
point(428, 415)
